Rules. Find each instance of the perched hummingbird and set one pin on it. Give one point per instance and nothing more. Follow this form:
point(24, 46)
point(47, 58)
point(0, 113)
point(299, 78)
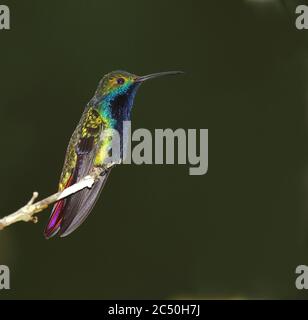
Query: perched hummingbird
point(88, 149)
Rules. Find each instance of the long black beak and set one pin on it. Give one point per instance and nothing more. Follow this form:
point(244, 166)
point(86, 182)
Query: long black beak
point(156, 75)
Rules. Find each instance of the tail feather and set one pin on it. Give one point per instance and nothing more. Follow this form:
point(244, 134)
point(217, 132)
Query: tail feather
point(56, 215)
point(55, 220)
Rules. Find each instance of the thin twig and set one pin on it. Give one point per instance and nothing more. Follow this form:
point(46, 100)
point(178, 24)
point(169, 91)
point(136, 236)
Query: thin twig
point(27, 213)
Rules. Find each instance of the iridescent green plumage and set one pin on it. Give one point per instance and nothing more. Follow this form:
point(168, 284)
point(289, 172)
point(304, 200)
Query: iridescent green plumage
point(89, 126)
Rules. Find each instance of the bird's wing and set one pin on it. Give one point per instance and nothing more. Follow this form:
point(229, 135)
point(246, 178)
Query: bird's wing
point(80, 204)
point(69, 213)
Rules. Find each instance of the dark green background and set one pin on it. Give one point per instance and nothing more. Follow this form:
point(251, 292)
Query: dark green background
point(237, 232)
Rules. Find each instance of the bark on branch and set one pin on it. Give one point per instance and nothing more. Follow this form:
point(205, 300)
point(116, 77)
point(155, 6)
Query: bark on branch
point(27, 213)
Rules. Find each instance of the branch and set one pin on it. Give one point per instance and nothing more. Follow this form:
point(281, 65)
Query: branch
point(27, 213)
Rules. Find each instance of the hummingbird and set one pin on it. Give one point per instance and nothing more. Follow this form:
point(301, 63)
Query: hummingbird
point(88, 148)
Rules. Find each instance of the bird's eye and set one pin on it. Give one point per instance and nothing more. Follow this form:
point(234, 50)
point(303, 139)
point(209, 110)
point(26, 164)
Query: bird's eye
point(120, 80)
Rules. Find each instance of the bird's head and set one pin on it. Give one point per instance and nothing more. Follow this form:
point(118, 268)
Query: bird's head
point(116, 83)
point(117, 89)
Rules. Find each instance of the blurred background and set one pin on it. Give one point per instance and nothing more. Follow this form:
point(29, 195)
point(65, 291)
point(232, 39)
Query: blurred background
point(237, 232)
